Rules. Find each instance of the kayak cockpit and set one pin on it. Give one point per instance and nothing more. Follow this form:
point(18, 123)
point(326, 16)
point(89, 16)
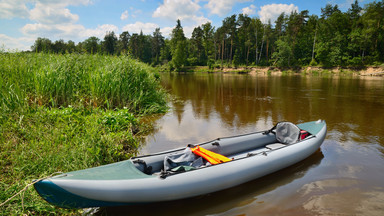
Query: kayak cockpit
point(234, 148)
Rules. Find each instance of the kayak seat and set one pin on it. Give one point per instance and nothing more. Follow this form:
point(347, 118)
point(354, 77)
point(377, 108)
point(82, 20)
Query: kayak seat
point(287, 132)
point(275, 146)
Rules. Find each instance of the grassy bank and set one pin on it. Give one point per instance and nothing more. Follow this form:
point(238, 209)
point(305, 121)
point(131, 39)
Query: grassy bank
point(68, 112)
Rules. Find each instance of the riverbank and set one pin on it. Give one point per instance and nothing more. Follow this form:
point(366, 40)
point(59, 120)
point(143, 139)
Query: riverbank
point(376, 71)
point(60, 113)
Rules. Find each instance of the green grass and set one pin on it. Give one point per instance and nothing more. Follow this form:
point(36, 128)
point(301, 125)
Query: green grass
point(68, 112)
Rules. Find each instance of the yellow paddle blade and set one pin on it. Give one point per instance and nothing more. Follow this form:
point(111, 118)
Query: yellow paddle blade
point(210, 156)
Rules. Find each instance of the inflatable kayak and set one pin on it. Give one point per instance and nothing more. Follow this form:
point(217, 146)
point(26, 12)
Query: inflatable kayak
point(186, 172)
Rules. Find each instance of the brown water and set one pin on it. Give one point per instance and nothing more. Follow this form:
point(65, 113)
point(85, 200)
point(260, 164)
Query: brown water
point(345, 177)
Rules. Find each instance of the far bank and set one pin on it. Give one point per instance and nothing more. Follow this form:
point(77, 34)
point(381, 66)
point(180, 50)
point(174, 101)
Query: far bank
point(377, 71)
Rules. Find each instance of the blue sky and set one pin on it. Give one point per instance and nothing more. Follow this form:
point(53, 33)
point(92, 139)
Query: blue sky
point(22, 21)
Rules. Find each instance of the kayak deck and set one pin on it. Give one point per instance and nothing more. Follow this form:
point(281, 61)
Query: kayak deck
point(116, 171)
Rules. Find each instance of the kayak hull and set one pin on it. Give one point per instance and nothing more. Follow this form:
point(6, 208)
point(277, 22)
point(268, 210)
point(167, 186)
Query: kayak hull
point(251, 156)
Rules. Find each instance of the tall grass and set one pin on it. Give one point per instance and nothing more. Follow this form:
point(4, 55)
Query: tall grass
point(68, 112)
point(62, 80)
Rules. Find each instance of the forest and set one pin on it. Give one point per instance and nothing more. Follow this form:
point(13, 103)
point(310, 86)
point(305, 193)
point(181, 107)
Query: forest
point(336, 38)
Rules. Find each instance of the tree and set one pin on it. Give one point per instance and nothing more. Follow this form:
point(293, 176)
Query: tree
point(157, 44)
point(332, 43)
point(244, 38)
point(42, 45)
point(91, 45)
point(257, 27)
point(354, 11)
point(336, 38)
point(71, 47)
point(165, 52)
point(230, 27)
point(373, 31)
point(283, 54)
point(208, 42)
point(178, 46)
point(110, 42)
point(123, 41)
point(197, 48)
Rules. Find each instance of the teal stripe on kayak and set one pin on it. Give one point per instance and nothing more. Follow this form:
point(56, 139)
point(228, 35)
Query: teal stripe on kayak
point(116, 171)
point(62, 198)
point(313, 127)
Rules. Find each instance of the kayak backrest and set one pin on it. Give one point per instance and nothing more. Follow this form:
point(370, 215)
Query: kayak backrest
point(287, 132)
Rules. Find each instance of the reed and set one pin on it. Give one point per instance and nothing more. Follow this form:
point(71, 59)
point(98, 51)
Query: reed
point(94, 80)
point(68, 112)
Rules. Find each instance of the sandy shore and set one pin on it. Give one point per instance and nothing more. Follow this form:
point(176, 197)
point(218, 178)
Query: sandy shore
point(365, 71)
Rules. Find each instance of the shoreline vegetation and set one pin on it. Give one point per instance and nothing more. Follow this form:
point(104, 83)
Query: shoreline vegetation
point(60, 113)
point(374, 71)
point(353, 39)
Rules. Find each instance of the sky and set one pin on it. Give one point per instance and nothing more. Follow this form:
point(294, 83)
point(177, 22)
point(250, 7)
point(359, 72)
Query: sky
point(23, 21)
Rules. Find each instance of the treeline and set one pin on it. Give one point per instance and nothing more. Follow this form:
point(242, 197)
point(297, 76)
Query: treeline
point(336, 38)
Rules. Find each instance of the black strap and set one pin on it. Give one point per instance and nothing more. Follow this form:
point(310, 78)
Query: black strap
point(271, 130)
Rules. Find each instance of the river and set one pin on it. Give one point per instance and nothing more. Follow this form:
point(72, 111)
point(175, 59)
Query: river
point(346, 175)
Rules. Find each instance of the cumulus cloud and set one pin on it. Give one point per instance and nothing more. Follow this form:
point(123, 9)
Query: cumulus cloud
point(184, 10)
point(187, 11)
point(63, 31)
point(52, 14)
point(251, 10)
point(147, 28)
point(272, 11)
point(99, 32)
point(55, 21)
point(63, 3)
point(66, 31)
point(222, 7)
point(166, 32)
point(13, 8)
point(124, 15)
point(13, 44)
point(10, 9)
point(176, 9)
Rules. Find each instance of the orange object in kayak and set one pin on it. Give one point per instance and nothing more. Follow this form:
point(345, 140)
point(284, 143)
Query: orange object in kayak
point(210, 156)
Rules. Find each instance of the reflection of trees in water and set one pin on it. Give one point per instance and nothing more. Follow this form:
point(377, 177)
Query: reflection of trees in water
point(243, 99)
point(232, 98)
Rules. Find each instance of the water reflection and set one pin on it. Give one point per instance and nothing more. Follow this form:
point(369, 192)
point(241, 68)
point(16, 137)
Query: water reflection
point(214, 105)
point(345, 178)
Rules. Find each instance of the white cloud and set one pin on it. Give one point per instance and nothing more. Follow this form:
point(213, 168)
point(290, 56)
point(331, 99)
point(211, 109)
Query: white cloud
point(13, 44)
point(124, 15)
point(66, 31)
point(99, 32)
point(147, 28)
point(251, 10)
point(272, 11)
point(166, 32)
point(62, 31)
point(52, 14)
point(55, 21)
point(63, 3)
point(222, 7)
point(185, 10)
point(13, 8)
point(10, 9)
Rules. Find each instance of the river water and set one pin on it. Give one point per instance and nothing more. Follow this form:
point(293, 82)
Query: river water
point(346, 175)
